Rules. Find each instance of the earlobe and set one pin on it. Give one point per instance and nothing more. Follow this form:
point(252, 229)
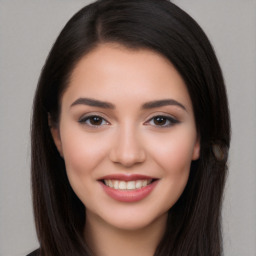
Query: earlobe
point(196, 150)
point(55, 135)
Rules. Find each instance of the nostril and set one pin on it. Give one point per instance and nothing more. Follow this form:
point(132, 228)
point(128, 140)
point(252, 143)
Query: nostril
point(126, 159)
point(127, 151)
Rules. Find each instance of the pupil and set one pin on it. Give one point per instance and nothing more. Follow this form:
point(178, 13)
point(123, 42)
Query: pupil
point(160, 120)
point(96, 120)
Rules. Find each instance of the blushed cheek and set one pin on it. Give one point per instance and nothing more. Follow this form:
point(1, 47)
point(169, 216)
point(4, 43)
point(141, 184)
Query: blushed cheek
point(81, 162)
point(175, 156)
point(176, 162)
point(81, 159)
point(82, 155)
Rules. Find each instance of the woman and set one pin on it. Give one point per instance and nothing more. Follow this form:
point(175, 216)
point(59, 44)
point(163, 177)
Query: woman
point(130, 135)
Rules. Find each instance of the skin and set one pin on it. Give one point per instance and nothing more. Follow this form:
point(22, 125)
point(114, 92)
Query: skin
point(126, 139)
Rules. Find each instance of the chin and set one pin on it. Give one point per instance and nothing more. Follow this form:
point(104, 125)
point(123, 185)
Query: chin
point(133, 222)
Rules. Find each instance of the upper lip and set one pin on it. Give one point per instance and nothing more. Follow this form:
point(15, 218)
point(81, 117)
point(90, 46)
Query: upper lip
point(126, 177)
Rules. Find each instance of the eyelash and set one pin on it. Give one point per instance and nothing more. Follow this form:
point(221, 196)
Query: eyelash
point(171, 121)
point(84, 120)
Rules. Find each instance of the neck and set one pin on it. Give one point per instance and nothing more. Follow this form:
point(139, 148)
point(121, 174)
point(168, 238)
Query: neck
point(106, 240)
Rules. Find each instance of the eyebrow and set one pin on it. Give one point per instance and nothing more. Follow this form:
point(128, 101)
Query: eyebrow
point(108, 105)
point(162, 103)
point(93, 103)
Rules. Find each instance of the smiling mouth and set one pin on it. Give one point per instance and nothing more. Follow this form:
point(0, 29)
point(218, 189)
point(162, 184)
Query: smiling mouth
point(128, 188)
point(127, 185)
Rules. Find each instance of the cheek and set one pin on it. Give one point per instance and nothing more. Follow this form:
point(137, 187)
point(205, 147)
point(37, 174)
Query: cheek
point(173, 155)
point(174, 152)
point(82, 153)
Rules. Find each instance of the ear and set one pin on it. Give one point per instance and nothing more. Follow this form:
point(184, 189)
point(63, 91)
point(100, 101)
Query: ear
point(55, 134)
point(196, 150)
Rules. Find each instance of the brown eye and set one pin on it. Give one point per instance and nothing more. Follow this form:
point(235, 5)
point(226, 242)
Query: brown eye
point(160, 120)
point(93, 121)
point(163, 121)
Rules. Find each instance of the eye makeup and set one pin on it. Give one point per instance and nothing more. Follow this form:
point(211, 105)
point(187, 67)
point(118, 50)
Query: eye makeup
point(162, 121)
point(93, 120)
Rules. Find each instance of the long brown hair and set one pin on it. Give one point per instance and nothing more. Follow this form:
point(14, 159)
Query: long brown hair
point(193, 226)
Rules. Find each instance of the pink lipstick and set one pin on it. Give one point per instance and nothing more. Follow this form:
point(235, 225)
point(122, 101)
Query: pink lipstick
point(128, 188)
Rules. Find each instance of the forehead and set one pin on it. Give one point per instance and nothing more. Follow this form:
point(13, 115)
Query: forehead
point(112, 72)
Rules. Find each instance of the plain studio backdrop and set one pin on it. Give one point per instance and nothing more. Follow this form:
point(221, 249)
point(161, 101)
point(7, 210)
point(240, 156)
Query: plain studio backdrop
point(28, 29)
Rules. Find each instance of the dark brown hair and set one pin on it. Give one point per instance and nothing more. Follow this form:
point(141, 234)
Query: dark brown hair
point(193, 227)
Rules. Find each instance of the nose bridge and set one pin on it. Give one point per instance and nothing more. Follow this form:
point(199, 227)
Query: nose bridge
point(128, 149)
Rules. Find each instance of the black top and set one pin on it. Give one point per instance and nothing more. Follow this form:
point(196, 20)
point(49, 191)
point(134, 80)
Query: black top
point(34, 253)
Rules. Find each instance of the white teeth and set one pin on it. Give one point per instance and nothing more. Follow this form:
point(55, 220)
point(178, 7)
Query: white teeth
point(130, 185)
point(127, 185)
point(110, 183)
point(116, 185)
point(122, 185)
point(138, 184)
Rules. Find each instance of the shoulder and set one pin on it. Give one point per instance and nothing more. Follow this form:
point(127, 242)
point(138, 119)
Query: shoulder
point(34, 253)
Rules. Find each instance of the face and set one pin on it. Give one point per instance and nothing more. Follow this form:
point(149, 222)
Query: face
point(127, 134)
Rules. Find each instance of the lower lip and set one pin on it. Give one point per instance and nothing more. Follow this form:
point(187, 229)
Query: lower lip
point(129, 195)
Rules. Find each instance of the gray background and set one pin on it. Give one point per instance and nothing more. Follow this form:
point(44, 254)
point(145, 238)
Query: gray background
point(28, 28)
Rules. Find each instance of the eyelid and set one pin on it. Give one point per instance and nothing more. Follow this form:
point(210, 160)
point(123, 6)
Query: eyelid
point(87, 116)
point(169, 117)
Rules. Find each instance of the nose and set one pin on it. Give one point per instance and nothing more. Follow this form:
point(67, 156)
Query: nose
point(127, 149)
